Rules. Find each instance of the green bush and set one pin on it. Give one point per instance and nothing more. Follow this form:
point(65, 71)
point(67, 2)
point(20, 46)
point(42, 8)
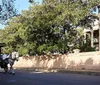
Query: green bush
point(87, 47)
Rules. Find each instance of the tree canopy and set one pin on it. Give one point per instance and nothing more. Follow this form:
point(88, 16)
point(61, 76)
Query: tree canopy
point(49, 27)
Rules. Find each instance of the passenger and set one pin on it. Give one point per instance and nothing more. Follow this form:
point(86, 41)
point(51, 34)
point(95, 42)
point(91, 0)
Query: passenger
point(5, 56)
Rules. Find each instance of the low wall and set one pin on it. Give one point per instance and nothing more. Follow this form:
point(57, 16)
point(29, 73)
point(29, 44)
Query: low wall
point(86, 60)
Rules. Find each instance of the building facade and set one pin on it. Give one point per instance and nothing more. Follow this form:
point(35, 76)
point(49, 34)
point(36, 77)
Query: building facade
point(94, 33)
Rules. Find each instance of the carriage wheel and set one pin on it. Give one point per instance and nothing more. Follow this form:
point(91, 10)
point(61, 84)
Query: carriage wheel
point(5, 67)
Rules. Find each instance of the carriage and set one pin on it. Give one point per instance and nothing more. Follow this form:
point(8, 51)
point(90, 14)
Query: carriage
point(3, 63)
point(8, 59)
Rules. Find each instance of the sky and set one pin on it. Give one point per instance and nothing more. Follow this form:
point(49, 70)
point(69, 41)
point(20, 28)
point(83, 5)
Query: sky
point(21, 5)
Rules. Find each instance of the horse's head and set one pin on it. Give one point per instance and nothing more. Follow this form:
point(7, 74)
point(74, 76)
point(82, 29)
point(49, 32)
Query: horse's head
point(15, 56)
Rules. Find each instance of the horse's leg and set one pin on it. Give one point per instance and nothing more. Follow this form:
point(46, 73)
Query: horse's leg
point(12, 69)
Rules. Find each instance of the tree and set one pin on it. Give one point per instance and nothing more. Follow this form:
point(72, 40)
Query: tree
point(7, 11)
point(46, 28)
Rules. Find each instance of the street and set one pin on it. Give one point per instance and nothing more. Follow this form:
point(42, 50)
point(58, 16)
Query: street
point(39, 78)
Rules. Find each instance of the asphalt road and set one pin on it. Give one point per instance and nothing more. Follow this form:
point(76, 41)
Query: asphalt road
point(38, 78)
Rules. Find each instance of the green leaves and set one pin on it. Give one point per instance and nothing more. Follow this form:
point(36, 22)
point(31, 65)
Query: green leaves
point(48, 27)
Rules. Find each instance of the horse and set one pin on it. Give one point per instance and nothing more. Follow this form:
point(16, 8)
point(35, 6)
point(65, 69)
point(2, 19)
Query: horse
point(10, 59)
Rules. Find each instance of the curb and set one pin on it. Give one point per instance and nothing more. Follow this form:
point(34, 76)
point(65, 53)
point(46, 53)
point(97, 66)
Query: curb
point(82, 72)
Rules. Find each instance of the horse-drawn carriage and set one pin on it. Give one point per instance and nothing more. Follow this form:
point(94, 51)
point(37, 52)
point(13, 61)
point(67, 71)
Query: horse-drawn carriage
point(8, 59)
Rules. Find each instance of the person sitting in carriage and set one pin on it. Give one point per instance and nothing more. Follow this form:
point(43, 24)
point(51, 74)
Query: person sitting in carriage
point(4, 61)
point(5, 56)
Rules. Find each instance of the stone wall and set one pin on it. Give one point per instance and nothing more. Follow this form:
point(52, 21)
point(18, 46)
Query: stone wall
point(86, 60)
